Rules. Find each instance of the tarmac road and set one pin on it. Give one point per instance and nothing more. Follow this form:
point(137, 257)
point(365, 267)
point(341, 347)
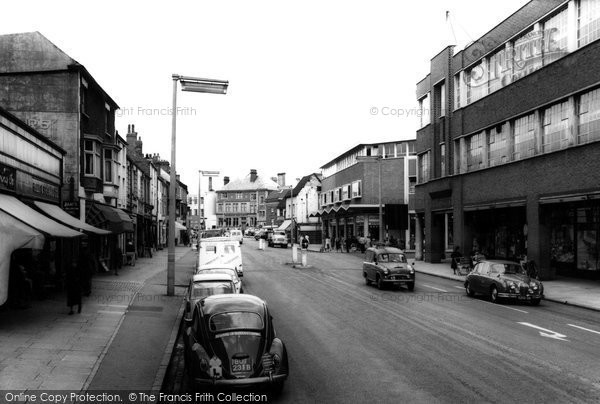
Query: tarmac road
point(348, 342)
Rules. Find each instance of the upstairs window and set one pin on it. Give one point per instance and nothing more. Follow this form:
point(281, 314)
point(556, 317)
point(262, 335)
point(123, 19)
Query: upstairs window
point(524, 137)
point(589, 117)
point(424, 111)
point(588, 21)
point(556, 127)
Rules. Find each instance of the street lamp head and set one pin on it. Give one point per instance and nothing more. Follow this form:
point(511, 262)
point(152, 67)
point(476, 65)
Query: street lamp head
point(199, 85)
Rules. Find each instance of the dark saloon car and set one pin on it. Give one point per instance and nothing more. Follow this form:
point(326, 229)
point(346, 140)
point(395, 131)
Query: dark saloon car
point(503, 279)
point(388, 266)
point(231, 343)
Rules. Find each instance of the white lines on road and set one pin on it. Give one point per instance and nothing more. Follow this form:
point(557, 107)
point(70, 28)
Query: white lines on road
point(433, 287)
point(505, 307)
point(547, 333)
point(459, 287)
point(111, 312)
point(582, 328)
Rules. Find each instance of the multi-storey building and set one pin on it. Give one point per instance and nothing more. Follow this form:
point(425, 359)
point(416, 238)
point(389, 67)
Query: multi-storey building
point(242, 202)
point(301, 202)
point(350, 188)
point(509, 142)
point(275, 203)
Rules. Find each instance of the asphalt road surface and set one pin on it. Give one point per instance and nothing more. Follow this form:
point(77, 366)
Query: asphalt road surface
point(348, 342)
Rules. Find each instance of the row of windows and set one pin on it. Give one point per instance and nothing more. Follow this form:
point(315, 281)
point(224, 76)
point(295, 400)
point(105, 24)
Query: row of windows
point(344, 193)
point(538, 46)
point(236, 207)
point(386, 150)
point(567, 123)
point(243, 195)
point(100, 163)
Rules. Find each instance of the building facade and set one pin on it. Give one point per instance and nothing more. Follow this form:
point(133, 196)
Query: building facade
point(349, 198)
point(508, 142)
point(302, 204)
point(242, 202)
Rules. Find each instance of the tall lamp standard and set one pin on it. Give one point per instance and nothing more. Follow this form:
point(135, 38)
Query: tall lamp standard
point(377, 158)
point(197, 85)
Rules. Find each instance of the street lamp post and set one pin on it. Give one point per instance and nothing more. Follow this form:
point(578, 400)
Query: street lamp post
point(197, 85)
point(377, 158)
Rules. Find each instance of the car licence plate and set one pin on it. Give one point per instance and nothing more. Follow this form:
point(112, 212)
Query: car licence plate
point(241, 365)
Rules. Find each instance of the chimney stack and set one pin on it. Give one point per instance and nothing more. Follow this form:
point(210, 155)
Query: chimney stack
point(281, 180)
point(253, 175)
point(225, 180)
point(131, 137)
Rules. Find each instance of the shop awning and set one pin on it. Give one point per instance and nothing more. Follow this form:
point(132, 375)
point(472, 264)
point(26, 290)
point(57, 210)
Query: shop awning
point(284, 225)
point(62, 216)
point(14, 234)
point(179, 226)
point(111, 218)
point(35, 219)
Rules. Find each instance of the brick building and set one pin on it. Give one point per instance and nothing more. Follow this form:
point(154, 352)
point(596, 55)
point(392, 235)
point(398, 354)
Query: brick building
point(508, 145)
point(349, 197)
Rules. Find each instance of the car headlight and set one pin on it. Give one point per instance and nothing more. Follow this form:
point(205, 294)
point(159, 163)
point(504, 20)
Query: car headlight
point(411, 270)
point(510, 284)
point(534, 285)
point(385, 271)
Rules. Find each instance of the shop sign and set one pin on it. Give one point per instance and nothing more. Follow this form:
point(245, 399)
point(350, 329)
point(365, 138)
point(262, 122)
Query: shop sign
point(71, 207)
point(8, 176)
point(44, 190)
point(360, 219)
point(373, 220)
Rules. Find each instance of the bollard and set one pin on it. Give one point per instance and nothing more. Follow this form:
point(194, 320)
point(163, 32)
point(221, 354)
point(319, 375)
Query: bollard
point(304, 257)
point(261, 244)
point(294, 253)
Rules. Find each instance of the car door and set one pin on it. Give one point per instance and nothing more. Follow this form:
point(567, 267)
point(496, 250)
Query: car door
point(475, 277)
point(368, 265)
point(485, 279)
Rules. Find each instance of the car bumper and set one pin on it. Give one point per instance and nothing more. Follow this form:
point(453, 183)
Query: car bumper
point(249, 382)
point(397, 280)
point(518, 296)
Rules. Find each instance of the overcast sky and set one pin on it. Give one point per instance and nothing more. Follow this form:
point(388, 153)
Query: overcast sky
point(304, 75)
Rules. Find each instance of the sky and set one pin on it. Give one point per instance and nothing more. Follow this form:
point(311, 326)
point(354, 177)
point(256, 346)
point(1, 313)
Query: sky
point(308, 80)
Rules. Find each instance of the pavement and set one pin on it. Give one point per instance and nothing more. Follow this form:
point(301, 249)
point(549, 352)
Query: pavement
point(126, 316)
point(583, 293)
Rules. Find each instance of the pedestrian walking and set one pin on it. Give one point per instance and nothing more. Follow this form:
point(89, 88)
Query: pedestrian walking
point(73, 289)
point(348, 244)
point(338, 245)
point(455, 257)
point(85, 268)
point(304, 242)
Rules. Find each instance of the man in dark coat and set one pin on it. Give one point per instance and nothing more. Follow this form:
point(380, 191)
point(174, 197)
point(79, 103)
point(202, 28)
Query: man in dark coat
point(73, 288)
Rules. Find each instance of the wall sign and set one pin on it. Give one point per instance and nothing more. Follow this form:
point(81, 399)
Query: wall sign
point(8, 177)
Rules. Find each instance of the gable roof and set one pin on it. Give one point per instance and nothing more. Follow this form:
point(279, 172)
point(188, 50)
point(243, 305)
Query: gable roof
point(304, 180)
point(278, 195)
point(244, 184)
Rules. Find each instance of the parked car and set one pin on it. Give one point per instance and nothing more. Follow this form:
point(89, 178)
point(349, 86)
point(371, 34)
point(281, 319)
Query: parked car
point(231, 343)
point(279, 238)
point(237, 235)
point(237, 282)
point(260, 234)
point(250, 231)
point(222, 251)
point(207, 284)
point(503, 279)
point(388, 266)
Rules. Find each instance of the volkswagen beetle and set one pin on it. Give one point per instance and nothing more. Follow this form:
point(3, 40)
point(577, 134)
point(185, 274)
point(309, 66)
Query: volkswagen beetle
point(503, 279)
point(231, 343)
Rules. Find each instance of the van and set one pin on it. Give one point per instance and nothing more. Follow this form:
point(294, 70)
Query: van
point(237, 235)
point(222, 251)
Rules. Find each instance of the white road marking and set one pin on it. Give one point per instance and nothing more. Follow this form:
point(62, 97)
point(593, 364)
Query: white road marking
point(458, 287)
point(433, 287)
point(582, 328)
point(505, 307)
point(546, 332)
point(111, 312)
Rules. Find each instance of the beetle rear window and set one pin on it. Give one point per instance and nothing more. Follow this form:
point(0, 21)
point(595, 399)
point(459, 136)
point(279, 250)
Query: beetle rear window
point(240, 320)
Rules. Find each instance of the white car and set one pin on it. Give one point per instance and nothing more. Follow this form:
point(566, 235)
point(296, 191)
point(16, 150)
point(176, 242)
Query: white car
point(207, 284)
point(237, 282)
point(220, 251)
point(237, 235)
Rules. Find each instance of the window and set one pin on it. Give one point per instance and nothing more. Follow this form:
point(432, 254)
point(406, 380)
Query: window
point(210, 185)
point(412, 181)
point(235, 207)
point(92, 158)
point(108, 166)
point(457, 84)
point(261, 199)
point(442, 99)
point(411, 148)
point(556, 127)
point(476, 81)
point(224, 195)
point(84, 96)
point(331, 197)
point(475, 151)
point(497, 145)
point(389, 150)
point(424, 167)
point(244, 207)
point(107, 118)
point(400, 149)
point(252, 196)
point(443, 159)
point(412, 168)
point(588, 21)
point(499, 72)
point(227, 207)
point(524, 137)
point(589, 117)
point(555, 37)
point(252, 208)
point(424, 111)
point(345, 194)
point(356, 189)
point(239, 195)
point(527, 54)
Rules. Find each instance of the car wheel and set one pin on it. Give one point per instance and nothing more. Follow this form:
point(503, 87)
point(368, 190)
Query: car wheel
point(379, 283)
point(367, 281)
point(494, 294)
point(411, 286)
point(535, 302)
point(468, 289)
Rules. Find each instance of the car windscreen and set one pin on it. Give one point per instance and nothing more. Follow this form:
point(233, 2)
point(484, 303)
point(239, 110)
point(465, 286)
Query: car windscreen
point(202, 289)
point(507, 269)
point(238, 320)
point(392, 257)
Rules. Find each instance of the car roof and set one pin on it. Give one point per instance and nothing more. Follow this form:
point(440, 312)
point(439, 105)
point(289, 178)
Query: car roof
point(216, 240)
point(217, 266)
point(228, 302)
point(500, 262)
point(211, 276)
point(379, 250)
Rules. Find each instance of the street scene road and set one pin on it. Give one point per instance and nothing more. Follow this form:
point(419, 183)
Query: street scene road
point(351, 342)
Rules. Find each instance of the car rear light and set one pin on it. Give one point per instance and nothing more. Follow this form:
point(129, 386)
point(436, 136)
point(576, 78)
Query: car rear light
point(268, 362)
